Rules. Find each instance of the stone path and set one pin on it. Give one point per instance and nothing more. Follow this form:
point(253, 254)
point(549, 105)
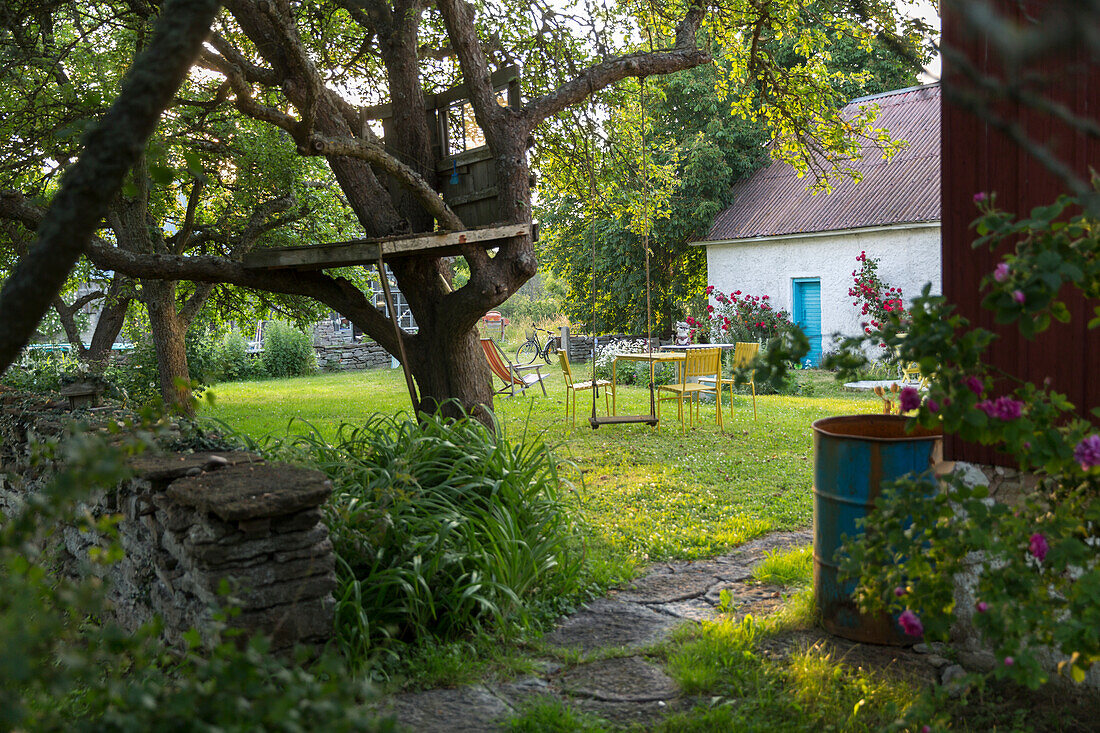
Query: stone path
point(618, 683)
point(620, 686)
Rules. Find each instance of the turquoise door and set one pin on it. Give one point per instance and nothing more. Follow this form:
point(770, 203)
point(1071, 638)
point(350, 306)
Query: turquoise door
point(807, 314)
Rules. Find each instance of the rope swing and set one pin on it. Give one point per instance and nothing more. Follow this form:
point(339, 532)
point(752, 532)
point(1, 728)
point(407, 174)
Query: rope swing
point(651, 418)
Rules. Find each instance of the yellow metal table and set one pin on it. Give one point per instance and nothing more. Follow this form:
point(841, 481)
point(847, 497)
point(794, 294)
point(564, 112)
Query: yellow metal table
point(657, 357)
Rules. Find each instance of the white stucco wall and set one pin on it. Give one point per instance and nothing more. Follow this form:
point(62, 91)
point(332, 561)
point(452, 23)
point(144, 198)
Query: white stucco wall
point(908, 255)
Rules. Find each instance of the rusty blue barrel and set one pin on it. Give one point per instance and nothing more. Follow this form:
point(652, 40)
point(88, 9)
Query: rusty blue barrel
point(853, 456)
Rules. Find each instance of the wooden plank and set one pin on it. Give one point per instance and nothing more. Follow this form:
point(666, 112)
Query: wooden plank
point(366, 251)
point(596, 422)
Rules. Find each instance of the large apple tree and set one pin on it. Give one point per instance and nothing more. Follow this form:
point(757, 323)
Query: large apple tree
point(318, 71)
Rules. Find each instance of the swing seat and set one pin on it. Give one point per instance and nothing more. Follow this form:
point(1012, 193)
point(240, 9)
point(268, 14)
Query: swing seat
point(596, 422)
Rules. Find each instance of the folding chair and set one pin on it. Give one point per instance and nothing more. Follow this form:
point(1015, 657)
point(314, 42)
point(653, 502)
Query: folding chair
point(509, 373)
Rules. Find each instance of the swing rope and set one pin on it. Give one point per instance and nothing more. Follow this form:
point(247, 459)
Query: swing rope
point(650, 419)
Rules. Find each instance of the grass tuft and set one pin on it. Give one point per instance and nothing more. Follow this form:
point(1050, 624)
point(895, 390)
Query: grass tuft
point(788, 568)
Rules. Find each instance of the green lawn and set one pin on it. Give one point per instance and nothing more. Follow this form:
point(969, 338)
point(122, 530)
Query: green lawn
point(646, 494)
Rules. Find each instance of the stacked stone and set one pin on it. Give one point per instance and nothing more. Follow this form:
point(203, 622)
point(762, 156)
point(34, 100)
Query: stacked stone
point(230, 529)
point(347, 357)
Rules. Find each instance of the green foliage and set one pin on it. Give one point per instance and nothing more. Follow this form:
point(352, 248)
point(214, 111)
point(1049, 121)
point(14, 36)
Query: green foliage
point(701, 137)
point(40, 371)
point(66, 666)
point(288, 352)
point(440, 526)
point(791, 567)
point(1039, 562)
point(553, 716)
point(234, 362)
point(723, 661)
point(138, 377)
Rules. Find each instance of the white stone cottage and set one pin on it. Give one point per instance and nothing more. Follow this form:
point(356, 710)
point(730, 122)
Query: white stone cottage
point(777, 239)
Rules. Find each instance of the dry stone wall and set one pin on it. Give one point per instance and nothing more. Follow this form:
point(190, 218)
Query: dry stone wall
point(199, 531)
point(336, 351)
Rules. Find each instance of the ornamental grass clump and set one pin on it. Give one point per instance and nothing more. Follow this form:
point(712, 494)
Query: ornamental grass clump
point(441, 527)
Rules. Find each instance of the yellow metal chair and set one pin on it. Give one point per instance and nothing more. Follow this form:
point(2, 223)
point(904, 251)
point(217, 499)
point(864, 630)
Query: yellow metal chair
point(698, 363)
point(572, 387)
point(743, 354)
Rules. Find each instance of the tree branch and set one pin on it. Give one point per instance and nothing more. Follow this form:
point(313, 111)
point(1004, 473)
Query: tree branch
point(458, 16)
point(406, 176)
point(111, 148)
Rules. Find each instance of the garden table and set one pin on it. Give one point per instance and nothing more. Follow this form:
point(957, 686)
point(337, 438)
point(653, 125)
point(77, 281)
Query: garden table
point(657, 357)
point(675, 347)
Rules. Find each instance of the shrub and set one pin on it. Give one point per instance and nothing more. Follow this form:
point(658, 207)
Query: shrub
point(740, 317)
point(41, 371)
point(440, 526)
point(234, 361)
point(288, 352)
point(876, 300)
point(137, 375)
point(1038, 564)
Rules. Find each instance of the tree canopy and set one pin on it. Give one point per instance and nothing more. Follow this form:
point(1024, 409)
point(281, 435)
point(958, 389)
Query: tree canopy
point(697, 145)
point(329, 78)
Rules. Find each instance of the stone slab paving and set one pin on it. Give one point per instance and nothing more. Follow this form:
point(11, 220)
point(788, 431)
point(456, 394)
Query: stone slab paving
point(620, 684)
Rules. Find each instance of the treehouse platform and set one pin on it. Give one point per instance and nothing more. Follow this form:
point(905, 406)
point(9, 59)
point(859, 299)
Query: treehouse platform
point(368, 251)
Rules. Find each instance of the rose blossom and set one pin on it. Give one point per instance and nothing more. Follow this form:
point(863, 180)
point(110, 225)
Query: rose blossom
point(982, 606)
point(1002, 408)
point(1000, 272)
point(909, 399)
point(899, 591)
point(910, 623)
point(1018, 296)
point(974, 384)
point(1087, 452)
point(1038, 546)
point(979, 197)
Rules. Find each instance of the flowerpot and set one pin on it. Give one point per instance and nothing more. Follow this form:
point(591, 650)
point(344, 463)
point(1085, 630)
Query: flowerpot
point(853, 456)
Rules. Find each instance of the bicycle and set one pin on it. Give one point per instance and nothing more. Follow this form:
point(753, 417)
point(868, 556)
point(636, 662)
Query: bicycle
point(530, 349)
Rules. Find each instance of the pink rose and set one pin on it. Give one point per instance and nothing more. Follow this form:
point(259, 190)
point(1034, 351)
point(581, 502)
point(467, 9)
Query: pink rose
point(1038, 547)
point(1000, 272)
point(974, 384)
point(909, 399)
point(1087, 452)
point(910, 623)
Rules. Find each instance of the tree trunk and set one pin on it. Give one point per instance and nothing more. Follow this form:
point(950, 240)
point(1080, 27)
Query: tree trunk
point(169, 340)
point(451, 371)
point(111, 320)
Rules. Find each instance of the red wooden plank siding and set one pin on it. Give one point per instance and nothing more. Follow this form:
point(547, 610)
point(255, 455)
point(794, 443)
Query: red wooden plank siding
point(977, 157)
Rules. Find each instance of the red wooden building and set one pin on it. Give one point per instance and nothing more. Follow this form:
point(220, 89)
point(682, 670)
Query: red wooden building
point(980, 156)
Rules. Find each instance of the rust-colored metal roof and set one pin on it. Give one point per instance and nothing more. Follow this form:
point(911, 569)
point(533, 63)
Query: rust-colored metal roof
point(774, 200)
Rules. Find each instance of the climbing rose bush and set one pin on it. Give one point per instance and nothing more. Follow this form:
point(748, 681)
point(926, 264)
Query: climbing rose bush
point(877, 301)
point(1037, 563)
point(741, 317)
